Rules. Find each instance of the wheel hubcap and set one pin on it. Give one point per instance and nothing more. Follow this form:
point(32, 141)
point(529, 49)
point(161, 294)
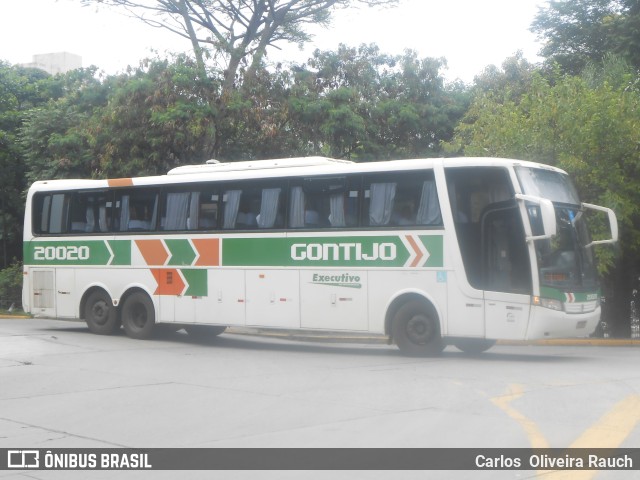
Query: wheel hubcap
point(100, 312)
point(139, 316)
point(419, 329)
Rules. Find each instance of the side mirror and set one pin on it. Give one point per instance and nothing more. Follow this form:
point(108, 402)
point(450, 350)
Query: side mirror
point(548, 214)
point(613, 224)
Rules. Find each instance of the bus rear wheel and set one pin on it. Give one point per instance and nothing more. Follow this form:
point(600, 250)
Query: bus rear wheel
point(138, 315)
point(416, 331)
point(100, 314)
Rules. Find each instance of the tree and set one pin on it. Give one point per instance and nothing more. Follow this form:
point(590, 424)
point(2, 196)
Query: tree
point(513, 78)
point(577, 32)
point(586, 125)
point(238, 31)
point(361, 104)
point(20, 90)
point(234, 33)
point(55, 136)
point(157, 117)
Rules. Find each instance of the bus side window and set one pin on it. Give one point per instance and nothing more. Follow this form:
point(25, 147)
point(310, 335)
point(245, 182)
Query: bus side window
point(429, 206)
point(50, 214)
point(137, 210)
point(253, 208)
point(175, 211)
point(406, 200)
point(324, 203)
point(270, 215)
point(40, 213)
point(88, 212)
point(206, 211)
point(231, 205)
point(196, 209)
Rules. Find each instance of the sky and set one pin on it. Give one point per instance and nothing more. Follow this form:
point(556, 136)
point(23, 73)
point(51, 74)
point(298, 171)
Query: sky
point(470, 34)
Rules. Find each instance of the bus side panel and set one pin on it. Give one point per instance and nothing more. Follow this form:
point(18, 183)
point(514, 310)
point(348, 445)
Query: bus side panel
point(220, 301)
point(66, 293)
point(273, 298)
point(334, 299)
point(466, 307)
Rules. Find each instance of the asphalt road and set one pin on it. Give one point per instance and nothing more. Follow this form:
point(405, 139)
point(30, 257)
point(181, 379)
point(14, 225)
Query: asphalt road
point(61, 386)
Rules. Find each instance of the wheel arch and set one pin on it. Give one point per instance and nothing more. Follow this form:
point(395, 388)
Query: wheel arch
point(130, 290)
point(87, 293)
point(402, 298)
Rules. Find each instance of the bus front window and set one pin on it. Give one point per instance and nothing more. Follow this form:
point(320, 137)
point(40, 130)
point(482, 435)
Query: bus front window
point(564, 261)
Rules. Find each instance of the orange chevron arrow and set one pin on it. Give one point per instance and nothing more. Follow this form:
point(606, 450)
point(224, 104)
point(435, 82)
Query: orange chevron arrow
point(208, 250)
point(169, 281)
point(419, 254)
point(153, 251)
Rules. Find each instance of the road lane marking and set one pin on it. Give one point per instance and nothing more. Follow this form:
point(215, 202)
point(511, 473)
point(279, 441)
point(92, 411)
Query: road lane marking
point(608, 432)
point(529, 426)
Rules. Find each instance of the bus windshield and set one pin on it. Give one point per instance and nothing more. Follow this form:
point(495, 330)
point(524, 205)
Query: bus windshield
point(563, 260)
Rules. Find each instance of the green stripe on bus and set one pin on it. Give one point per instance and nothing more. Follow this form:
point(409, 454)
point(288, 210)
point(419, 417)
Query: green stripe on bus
point(351, 251)
point(196, 282)
point(82, 252)
point(121, 252)
point(572, 297)
point(181, 252)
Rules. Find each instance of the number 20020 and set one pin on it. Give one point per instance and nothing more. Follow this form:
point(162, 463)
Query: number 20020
point(61, 253)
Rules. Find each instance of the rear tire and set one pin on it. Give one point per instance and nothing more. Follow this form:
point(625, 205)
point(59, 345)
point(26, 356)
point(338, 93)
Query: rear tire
point(138, 316)
point(100, 314)
point(416, 331)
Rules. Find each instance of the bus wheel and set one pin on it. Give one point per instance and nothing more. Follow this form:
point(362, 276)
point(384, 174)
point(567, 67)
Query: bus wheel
point(138, 315)
point(100, 314)
point(474, 346)
point(416, 331)
point(204, 331)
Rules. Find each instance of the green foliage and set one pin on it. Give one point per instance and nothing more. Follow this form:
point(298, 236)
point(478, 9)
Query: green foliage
point(156, 118)
point(577, 32)
point(364, 105)
point(584, 126)
point(11, 285)
point(21, 89)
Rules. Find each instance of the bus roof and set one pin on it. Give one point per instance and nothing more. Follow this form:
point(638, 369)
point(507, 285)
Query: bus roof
point(286, 167)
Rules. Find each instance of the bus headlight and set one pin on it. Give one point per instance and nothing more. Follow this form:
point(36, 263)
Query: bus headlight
point(548, 303)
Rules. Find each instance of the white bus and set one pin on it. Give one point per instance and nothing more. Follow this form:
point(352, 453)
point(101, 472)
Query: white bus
point(428, 252)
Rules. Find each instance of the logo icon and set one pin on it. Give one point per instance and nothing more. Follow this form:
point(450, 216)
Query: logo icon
point(23, 459)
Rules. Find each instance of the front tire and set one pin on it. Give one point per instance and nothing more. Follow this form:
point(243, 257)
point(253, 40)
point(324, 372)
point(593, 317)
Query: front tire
point(138, 316)
point(100, 314)
point(416, 330)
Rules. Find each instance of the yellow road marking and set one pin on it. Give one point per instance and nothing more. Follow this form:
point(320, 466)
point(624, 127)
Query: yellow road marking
point(608, 432)
point(503, 402)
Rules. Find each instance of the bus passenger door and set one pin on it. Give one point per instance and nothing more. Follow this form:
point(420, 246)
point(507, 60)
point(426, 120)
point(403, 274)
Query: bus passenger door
point(506, 272)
